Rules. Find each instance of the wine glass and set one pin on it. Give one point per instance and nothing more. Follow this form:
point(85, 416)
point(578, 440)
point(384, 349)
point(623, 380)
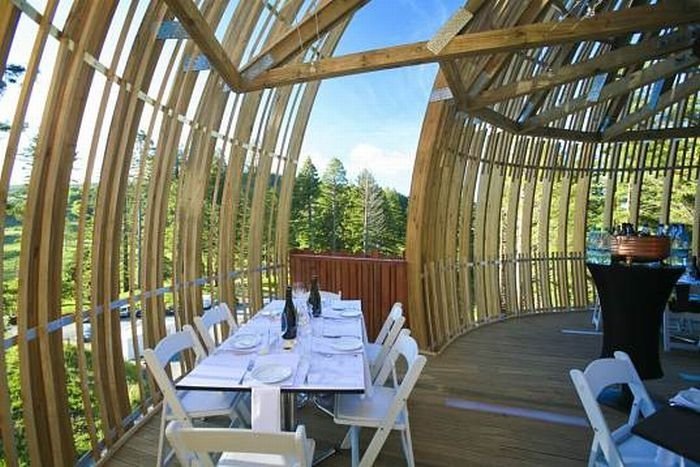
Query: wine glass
point(298, 290)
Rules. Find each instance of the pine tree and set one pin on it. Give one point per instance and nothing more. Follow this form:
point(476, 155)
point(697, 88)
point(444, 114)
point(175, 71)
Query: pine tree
point(332, 206)
point(304, 207)
point(395, 212)
point(371, 203)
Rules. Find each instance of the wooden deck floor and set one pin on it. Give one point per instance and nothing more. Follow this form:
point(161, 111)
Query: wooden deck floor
point(494, 397)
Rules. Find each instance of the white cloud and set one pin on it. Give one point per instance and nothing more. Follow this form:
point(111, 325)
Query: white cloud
point(390, 168)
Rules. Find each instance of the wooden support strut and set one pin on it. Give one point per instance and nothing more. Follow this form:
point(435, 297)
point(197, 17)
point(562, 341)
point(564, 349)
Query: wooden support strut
point(202, 34)
point(487, 42)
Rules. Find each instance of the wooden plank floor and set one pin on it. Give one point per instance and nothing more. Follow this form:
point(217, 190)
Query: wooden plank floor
point(492, 398)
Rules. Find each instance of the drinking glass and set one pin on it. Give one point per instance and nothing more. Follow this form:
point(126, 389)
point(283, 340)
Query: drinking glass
point(298, 290)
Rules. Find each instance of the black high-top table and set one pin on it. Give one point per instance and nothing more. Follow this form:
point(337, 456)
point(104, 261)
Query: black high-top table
point(632, 300)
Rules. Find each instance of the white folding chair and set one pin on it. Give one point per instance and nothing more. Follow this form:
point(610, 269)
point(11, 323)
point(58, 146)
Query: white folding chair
point(184, 405)
point(619, 447)
point(378, 350)
point(206, 325)
point(194, 446)
point(386, 409)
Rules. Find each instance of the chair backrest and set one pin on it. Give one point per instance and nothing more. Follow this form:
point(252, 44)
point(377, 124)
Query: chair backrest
point(193, 446)
point(157, 360)
point(213, 316)
point(395, 313)
point(397, 321)
point(407, 348)
point(589, 383)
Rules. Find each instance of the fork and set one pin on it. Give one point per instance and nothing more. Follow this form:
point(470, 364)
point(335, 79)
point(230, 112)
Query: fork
point(251, 364)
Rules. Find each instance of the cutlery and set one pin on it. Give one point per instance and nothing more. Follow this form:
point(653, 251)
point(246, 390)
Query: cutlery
point(251, 364)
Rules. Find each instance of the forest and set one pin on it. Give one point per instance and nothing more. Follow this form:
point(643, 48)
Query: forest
point(331, 213)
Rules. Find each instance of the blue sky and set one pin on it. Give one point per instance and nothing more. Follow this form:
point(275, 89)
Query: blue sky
point(369, 121)
point(373, 120)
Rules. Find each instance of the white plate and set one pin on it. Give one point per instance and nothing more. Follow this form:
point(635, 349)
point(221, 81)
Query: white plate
point(346, 343)
point(691, 396)
point(245, 341)
point(338, 306)
point(271, 373)
point(350, 313)
point(269, 312)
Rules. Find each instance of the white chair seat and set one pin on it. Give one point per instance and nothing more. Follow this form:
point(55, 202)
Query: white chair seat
point(200, 404)
point(619, 447)
point(372, 350)
point(637, 452)
point(385, 410)
point(240, 447)
point(260, 459)
point(354, 409)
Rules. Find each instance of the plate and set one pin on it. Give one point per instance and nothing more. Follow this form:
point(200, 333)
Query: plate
point(338, 306)
point(691, 396)
point(271, 312)
point(271, 373)
point(350, 313)
point(245, 341)
point(347, 343)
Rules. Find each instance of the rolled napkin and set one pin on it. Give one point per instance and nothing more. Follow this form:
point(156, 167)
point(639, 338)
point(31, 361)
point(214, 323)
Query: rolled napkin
point(265, 409)
point(689, 398)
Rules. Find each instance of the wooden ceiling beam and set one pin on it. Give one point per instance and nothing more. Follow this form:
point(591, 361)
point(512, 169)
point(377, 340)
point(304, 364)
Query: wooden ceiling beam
point(300, 36)
point(450, 68)
point(201, 33)
point(670, 97)
point(622, 57)
point(660, 70)
point(489, 70)
point(604, 25)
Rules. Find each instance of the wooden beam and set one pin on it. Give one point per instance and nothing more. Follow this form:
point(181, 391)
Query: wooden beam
point(625, 56)
point(496, 119)
point(605, 25)
point(453, 77)
point(664, 133)
point(197, 27)
point(483, 77)
point(453, 26)
point(663, 69)
point(325, 17)
point(681, 91)
point(450, 68)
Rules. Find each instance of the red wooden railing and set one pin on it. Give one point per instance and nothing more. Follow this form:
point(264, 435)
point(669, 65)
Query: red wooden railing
point(379, 282)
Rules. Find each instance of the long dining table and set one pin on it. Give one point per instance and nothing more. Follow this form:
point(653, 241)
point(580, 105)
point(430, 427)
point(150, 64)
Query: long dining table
point(327, 356)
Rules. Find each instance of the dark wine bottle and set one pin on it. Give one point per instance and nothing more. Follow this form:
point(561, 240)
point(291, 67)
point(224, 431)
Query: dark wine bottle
point(289, 317)
point(315, 297)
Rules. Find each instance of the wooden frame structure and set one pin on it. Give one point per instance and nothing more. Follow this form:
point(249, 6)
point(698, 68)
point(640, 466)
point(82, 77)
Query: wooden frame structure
point(194, 114)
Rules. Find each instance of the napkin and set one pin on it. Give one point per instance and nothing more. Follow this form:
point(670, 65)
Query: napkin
point(338, 328)
point(689, 398)
point(265, 409)
point(289, 359)
point(220, 366)
point(337, 372)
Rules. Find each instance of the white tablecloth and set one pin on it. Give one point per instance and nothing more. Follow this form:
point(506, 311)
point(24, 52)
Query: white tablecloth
point(317, 367)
